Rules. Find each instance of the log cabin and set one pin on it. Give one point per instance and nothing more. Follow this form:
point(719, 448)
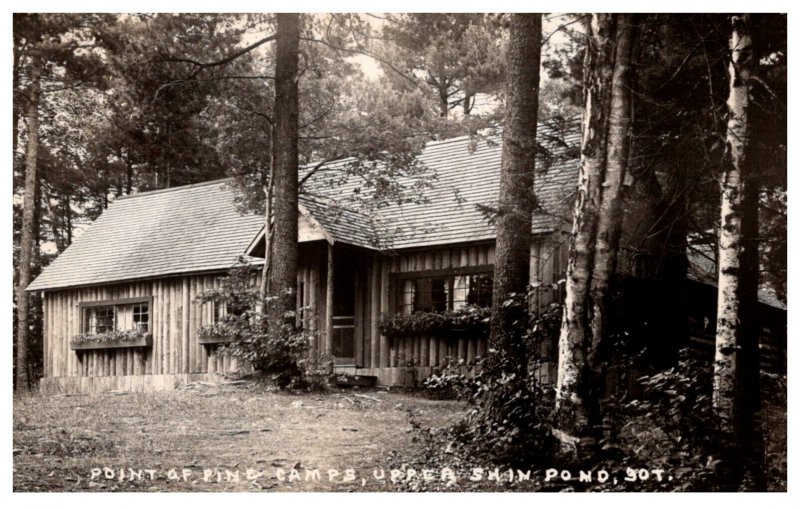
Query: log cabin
point(121, 307)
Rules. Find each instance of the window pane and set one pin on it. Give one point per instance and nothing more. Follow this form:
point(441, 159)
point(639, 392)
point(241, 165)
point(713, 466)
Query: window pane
point(102, 319)
point(220, 311)
point(407, 297)
point(141, 317)
point(431, 294)
point(439, 294)
point(460, 290)
point(480, 290)
point(443, 293)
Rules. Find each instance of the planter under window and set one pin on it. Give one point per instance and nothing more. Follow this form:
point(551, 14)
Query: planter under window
point(143, 340)
point(214, 340)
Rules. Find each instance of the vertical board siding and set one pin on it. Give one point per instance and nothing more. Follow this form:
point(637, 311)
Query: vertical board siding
point(176, 315)
point(425, 350)
point(174, 319)
point(547, 263)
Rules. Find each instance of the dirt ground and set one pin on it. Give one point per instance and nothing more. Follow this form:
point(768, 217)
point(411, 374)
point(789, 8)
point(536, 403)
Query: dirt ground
point(240, 436)
point(218, 438)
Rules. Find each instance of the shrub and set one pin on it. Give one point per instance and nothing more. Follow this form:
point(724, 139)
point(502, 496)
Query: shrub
point(274, 353)
point(510, 419)
point(453, 380)
point(671, 427)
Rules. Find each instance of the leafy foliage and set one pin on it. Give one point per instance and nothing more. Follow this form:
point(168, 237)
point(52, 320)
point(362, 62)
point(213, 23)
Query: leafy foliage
point(467, 321)
point(282, 354)
point(672, 427)
point(509, 420)
point(114, 336)
point(454, 380)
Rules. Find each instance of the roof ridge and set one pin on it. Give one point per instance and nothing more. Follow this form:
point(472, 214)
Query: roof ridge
point(176, 188)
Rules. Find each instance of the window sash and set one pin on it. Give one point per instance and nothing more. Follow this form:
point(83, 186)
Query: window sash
point(442, 291)
point(111, 315)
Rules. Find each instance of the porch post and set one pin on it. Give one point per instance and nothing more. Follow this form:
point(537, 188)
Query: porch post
point(329, 304)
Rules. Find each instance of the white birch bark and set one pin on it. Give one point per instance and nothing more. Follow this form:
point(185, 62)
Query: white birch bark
point(575, 327)
point(609, 225)
point(732, 181)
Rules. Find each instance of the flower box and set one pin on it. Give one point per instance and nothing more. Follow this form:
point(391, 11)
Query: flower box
point(467, 322)
point(144, 340)
point(214, 340)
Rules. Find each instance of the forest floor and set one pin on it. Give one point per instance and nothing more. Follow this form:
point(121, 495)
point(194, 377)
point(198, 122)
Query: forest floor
point(218, 438)
point(241, 436)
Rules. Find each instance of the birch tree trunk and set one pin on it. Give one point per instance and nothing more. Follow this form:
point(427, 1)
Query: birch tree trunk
point(736, 367)
point(28, 227)
point(609, 226)
point(572, 380)
point(516, 200)
point(285, 161)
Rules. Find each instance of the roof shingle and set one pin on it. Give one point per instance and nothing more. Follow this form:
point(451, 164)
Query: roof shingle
point(197, 228)
point(184, 229)
point(466, 174)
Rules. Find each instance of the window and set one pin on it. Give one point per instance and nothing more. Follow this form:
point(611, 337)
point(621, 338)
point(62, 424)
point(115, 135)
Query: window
point(220, 311)
point(118, 315)
point(442, 291)
point(472, 290)
point(224, 310)
point(101, 319)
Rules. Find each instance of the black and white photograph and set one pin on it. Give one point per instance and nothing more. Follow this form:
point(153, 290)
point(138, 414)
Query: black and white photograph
point(394, 252)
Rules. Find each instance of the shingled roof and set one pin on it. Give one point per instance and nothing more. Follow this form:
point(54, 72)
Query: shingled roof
point(185, 229)
point(464, 174)
point(703, 269)
point(198, 228)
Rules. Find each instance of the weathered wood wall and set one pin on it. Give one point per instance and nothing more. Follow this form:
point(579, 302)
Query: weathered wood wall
point(548, 264)
point(176, 315)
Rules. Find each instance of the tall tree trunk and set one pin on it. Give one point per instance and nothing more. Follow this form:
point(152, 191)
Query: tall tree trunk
point(267, 269)
point(128, 173)
point(516, 200)
point(444, 103)
point(68, 220)
point(573, 379)
point(469, 98)
point(26, 242)
point(15, 100)
point(736, 367)
point(56, 223)
point(609, 226)
point(285, 160)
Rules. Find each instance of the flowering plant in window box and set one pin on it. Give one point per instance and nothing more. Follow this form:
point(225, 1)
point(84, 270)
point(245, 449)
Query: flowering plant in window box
point(215, 334)
point(467, 321)
point(111, 339)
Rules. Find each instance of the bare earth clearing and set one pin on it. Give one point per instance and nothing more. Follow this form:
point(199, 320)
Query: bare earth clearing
point(211, 434)
point(243, 437)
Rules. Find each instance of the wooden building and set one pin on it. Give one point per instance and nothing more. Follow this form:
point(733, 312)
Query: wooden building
point(121, 308)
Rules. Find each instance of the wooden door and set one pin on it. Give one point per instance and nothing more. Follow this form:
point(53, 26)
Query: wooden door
point(344, 311)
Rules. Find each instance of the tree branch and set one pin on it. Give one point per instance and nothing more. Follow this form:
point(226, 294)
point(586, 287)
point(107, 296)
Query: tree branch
point(315, 169)
point(233, 56)
point(365, 53)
